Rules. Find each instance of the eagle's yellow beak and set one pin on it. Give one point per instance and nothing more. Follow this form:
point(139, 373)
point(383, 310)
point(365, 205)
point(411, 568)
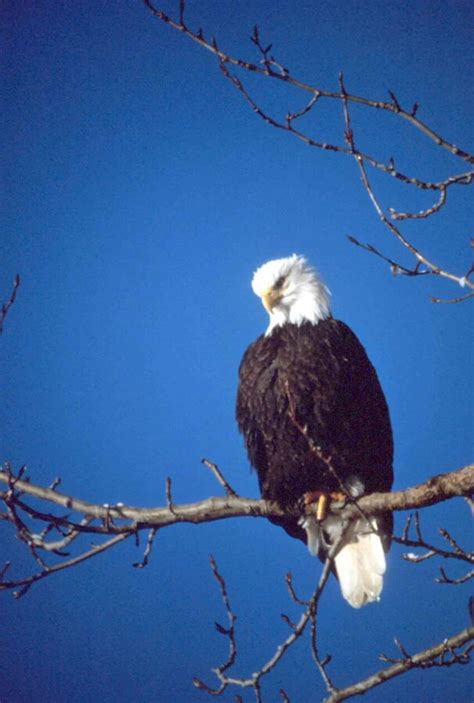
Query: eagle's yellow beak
point(270, 298)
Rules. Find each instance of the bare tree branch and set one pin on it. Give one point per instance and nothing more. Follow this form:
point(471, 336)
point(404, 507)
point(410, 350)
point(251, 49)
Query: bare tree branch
point(436, 489)
point(228, 632)
point(396, 268)
point(419, 542)
point(297, 630)
point(462, 579)
point(421, 258)
point(423, 213)
point(267, 65)
point(269, 68)
point(125, 521)
point(27, 582)
point(459, 299)
point(119, 522)
point(433, 656)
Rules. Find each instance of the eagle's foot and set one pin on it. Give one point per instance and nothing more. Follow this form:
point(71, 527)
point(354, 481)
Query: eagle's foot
point(322, 499)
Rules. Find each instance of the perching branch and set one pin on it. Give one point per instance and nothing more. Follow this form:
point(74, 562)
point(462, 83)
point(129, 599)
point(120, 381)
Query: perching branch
point(435, 490)
point(125, 521)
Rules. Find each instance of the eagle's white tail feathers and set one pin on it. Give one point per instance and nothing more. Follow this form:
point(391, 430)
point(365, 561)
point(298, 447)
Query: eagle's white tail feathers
point(360, 566)
point(360, 563)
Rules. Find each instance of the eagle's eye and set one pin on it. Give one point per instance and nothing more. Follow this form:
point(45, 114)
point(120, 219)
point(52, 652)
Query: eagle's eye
point(280, 282)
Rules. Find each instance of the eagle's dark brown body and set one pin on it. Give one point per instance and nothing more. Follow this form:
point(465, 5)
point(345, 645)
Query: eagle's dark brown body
point(324, 372)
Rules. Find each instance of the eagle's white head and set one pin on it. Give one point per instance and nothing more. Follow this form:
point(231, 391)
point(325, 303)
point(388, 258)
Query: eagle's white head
point(291, 291)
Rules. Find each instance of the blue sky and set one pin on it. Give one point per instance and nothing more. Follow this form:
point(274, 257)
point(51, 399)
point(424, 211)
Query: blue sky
point(141, 193)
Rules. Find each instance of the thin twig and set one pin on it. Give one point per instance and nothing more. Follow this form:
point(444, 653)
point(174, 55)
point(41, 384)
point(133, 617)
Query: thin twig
point(423, 213)
point(29, 580)
point(228, 632)
point(395, 267)
point(322, 664)
point(454, 582)
point(6, 306)
point(460, 299)
point(149, 546)
point(169, 496)
point(220, 477)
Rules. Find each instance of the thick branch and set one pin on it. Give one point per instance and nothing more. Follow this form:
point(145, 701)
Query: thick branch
point(436, 489)
point(122, 521)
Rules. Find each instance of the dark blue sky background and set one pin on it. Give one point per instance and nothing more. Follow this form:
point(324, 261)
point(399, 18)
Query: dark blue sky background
point(141, 193)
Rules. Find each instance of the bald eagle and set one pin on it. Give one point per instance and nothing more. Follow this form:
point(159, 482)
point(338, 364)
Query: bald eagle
point(315, 422)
